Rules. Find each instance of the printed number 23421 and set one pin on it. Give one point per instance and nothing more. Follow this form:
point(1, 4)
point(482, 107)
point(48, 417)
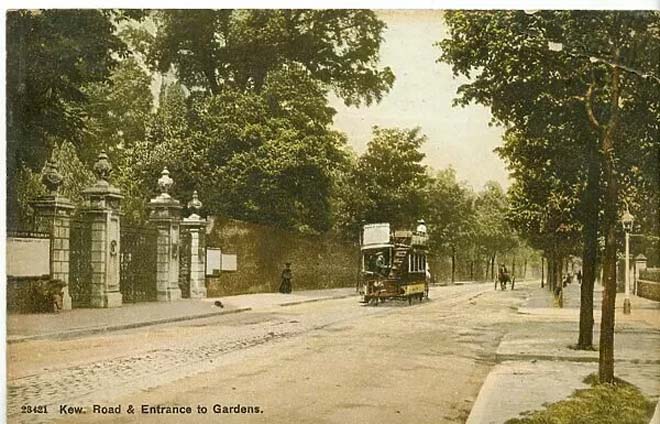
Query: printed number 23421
point(34, 409)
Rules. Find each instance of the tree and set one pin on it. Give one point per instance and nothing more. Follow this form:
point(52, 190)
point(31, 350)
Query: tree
point(450, 215)
point(603, 70)
point(267, 156)
point(168, 142)
point(117, 111)
point(391, 178)
point(546, 193)
point(210, 49)
point(51, 55)
point(543, 211)
point(493, 234)
point(76, 177)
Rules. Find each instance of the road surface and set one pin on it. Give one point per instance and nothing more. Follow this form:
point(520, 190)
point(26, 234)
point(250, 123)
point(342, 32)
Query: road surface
point(335, 361)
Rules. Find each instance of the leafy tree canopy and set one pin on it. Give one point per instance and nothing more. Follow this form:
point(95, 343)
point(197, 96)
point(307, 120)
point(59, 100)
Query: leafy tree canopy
point(450, 213)
point(51, 55)
point(546, 76)
point(267, 157)
point(210, 49)
point(391, 177)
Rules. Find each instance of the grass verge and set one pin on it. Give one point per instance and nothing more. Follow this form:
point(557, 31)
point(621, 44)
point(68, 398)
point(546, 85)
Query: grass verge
point(618, 403)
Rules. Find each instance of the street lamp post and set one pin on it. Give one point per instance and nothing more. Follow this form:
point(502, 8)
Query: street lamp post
point(627, 221)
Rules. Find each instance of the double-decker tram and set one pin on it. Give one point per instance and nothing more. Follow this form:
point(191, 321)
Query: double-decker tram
point(394, 263)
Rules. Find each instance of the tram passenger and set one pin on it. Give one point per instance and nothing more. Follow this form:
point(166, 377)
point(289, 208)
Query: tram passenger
point(381, 266)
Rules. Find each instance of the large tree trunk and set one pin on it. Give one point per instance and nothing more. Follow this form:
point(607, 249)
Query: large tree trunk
point(606, 352)
point(589, 252)
point(606, 345)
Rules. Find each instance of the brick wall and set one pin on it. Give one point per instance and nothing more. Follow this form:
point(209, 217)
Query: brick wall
point(317, 261)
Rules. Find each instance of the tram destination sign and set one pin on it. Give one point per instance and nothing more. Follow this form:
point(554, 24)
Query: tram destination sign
point(376, 234)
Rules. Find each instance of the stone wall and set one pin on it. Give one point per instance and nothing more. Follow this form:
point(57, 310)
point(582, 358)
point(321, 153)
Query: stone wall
point(650, 274)
point(648, 285)
point(317, 261)
point(648, 289)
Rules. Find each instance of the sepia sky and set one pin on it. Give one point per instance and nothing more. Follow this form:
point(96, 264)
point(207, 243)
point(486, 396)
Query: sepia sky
point(422, 96)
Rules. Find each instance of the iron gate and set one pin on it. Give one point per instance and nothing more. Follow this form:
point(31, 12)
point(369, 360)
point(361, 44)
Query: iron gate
point(185, 239)
point(80, 263)
point(137, 256)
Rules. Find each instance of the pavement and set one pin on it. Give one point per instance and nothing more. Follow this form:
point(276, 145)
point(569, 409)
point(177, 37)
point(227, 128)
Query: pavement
point(86, 321)
point(537, 365)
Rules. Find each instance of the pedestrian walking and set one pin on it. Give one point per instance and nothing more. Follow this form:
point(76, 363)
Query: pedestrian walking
point(579, 276)
point(287, 275)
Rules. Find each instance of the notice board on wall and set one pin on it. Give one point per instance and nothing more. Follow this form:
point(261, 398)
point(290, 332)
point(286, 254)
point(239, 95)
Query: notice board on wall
point(216, 261)
point(28, 257)
point(213, 261)
point(229, 262)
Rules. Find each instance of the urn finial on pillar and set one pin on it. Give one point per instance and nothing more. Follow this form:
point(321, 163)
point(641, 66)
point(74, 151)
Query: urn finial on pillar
point(50, 175)
point(103, 168)
point(195, 205)
point(165, 183)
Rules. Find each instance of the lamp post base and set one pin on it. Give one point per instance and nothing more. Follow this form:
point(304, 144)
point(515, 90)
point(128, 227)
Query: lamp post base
point(626, 306)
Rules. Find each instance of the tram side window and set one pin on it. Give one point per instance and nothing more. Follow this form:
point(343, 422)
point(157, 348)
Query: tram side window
point(417, 263)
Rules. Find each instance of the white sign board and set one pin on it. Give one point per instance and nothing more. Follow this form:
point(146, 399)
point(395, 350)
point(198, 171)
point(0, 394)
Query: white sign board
point(213, 261)
point(28, 257)
point(376, 234)
point(229, 262)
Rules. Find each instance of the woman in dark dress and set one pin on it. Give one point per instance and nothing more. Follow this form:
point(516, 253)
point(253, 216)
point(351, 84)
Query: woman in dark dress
point(285, 286)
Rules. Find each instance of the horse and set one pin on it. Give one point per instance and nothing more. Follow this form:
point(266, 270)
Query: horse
point(503, 278)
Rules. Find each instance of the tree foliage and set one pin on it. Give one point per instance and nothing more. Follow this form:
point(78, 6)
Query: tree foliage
point(213, 49)
point(450, 213)
point(75, 178)
point(118, 109)
point(568, 77)
point(267, 156)
point(51, 55)
point(390, 178)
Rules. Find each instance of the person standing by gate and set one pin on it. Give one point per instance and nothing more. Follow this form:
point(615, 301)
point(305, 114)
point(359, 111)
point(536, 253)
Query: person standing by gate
point(287, 275)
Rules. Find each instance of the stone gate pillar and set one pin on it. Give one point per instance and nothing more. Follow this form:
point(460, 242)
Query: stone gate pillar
point(165, 214)
point(102, 212)
point(640, 265)
point(54, 213)
point(196, 226)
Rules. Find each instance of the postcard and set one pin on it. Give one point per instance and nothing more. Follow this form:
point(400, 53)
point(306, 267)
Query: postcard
point(332, 216)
